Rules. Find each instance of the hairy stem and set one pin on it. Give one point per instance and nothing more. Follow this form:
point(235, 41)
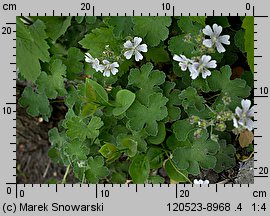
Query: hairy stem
point(65, 176)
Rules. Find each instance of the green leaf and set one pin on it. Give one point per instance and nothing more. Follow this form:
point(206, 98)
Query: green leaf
point(199, 19)
point(76, 150)
point(248, 25)
point(147, 80)
point(157, 55)
point(181, 129)
point(156, 180)
point(178, 45)
point(239, 40)
point(122, 26)
point(152, 29)
point(77, 128)
point(174, 173)
point(90, 19)
point(99, 92)
point(187, 26)
point(96, 170)
point(220, 81)
point(160, 137)
point(225, 157)
point(141, 116)
point(96, 41)
point(127, 144)
point(73, 62)
point(174, 112)
point(79, 19)
point(36, 103)
point(139, 169)
point(56, 26)
point(199, 155)
point(110, 151)
point(31, 47)
point(124, 99)
point(155, 157)
point(190, 98)
point(53, 84)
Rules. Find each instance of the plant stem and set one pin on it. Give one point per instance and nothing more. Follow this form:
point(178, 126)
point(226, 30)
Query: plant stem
point(65, 176)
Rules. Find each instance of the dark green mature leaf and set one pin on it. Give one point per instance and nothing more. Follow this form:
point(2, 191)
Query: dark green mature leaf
point(155, 157)
point(96, 170)
point(31, 47)
point(248, 25)
point(157, 55)
point(141, 116)
point(122, 26)
point(110, 151)
point(221, 81)
point(156, 180)
point(225, 157)
point(36, 103)
point(139, 169)
point(178, 45)
point(147, 80)
point(200, 154)
point(76, 150)
point(174, 112)
point(124, 99)
point(239, 40)
point(181, 129)
point(73, 62)
point(160, 137)
point(56, 26)
point(186, 25)
point(174, 173)
point(77, 128)
point(190, 99)
point(199, 19)
point(52, 84)
point(152, 29)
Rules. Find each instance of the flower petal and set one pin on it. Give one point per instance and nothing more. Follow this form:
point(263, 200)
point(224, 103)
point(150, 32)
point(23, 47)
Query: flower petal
point(235, 123)
point(224, 39)
point(183, 66)
point(245, 104)
point(206, 73)
point(114, 64)
point(128, 54)
point(217, 29)
point(137, 41)
point(194, 73)
point(249, 124)
point(128, 44)
point(205, 59)
point(106, 62)
point(212, 64)
point(114, 71)
point(208, 43)
point(138, 56)
point(206, 182)
point(250, 112)
point(220, 47)
point(207, 30)
point(142, 48)
point(238, 111)
point(106, 73)
point(177, 58)
point(88, 58)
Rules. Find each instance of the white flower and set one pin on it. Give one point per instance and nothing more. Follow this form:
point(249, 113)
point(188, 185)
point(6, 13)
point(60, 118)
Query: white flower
point(215, 38)
point(184, 62)
point(244, 115)
point(202, 67)
point(135, 48)
point(196, 181)
point(110, 68)
point(94, 62)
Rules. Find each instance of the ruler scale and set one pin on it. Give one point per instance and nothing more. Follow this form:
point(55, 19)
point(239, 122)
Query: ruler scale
point(134, 199)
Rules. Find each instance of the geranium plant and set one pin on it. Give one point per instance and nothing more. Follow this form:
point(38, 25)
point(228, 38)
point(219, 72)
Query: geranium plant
point(148, 99)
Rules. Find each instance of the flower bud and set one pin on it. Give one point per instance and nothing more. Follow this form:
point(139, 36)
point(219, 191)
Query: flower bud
point(220, 126)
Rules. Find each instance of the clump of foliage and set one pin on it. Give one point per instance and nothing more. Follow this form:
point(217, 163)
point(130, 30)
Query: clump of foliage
point(143, 94)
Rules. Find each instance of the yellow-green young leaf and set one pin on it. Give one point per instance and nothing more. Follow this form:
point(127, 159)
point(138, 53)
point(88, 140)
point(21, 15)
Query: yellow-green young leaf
point(139, 169)
point(52, 83)
point(152, 29)
point(110, 151)
point(96, 170)
point(124, 99)
point(174, 173)
point(248, 25)
point(36, 103)
point(31, 47)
